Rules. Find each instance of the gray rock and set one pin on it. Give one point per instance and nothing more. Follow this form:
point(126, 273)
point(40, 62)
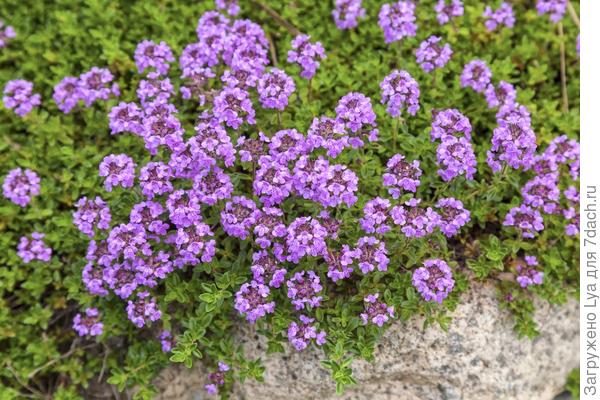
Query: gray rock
point(480, 357)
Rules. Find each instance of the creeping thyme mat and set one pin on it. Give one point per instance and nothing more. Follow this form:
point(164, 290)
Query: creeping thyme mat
point(317, 169)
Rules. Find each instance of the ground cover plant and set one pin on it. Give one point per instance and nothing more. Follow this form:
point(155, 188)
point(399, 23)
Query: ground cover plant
point(318, 170)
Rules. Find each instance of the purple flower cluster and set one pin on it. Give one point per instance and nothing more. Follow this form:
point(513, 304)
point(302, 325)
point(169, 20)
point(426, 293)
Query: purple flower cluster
point(453, 216)
point(448, 9)
point(376, 216)
point(431, 54)
point(398, 91)
point(267, 270)
point(503, 15)
point(503, 96)
point(239, 217)
point(456, 157)
point(370, 254)
point(90, 87)
point(167, 341)
point(118, 170)
point(6, 32)
point(329, 134)
point(217, 379)
point(450, 122)
point(347, 13)
point(143, 310)
point(231, 7)
point(434, 280)
point(397, 20)
point(20, 186)
point(89, 324)
point(527, 275)
point(527, 219)
point(91, 214)
point(376, 311)
point(401, 175)
point(33, 248)
point(305, 237)
point(18, 95)
point(306, 55)
point(301, 333)
point(414, 220)
point(476, 75)
point(355, 111)
point(275, 88)
point(339, 263)
point(253, 300)
point(304, 289)
point(149, 55)
point(556, 9)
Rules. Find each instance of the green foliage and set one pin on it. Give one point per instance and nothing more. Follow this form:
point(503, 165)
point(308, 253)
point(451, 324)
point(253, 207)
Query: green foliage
point(573, 383)
point(42, 357)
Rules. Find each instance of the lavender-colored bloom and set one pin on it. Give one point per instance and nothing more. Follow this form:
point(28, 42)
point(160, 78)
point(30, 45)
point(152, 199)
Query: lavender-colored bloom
point(306, 55)
point(572, 216)
point(155, 179)
point(212, 140)
point(118, 169)
point(161, 127)
point(431, 54)
point(92, 277)
point(448, 9)
point(231, 7)
point(150, 55)
point(131, 240)
point(329, 134)
point(153, 268)
point(250, 58)
point(232, 106)
point(147, 214)
point(195, 241)
point(571, 194)
point(456, 157)
point(91, 214)
point(167, 341)
point(563, 149)
point(401, 175)
point(94, 85)
point(66, 95)
point(397, 20)
point(239, 217)
point(97, 252)
point(503, 15)
point(195, 82)
point(339, 264)
point(122, 278)
point(308, 177)
point(370, 253)
point(273, 182)
point(212, 185)
point(275, 88)
point(18, 95)
point(476, 75)
point(332, 225)
point(20, 186)
point(347, 13)
point(250, 150)
point(525, 218)
point(376, 216)
point(376, 311)
point(336, 186)
point(398, 91)
point(253, 300)
point(545, 163)
point(32, 247)
point(556, 9)
point(453, 216)
point(269, 227)
point(287, 145)
point(527, 275)
point(267, 270)
point(154, 89)
point(434, 280)
point(89, 324)
point(450, 122)
point(305, 236)
point(184, 208)
point(355, 111)
point(303, 289)
point(143, 310)
point(542, 192)
point(6, 32)
point(216, 379)
point(126, 117)
point(504, 95)
point(415, 221)
point(301, 334)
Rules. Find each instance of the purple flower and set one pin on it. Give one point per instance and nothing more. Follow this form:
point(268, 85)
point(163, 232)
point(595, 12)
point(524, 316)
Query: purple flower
point(376, 311)
point(300, 334)
point(331, 224)
point(563, 149)
point(476, 75)
point(143, 310)
point(272, 182)
point(32, 247)
point(250, 150)
point(253, 300)
point(184, 208)
point(339, 264)
point(336, 186)
point(305, 237)
point(232, 106)
point(306, 55)
point(118, 169)
point(231, 7)
point(147, 214)
point(6, 32)
point(269, 227)
point(167, 341)
point(456, 157)
point(239, 217)
point(503, 15)
point(308, 177)
point(287, 145)
point(98, 252)
point(449, 122)
point(434, 280)
point(401, 175)
point(529, 276)
point(267, 270)
point(453, 216)
point(212, 185)
point(66, 94)
point(216, 378)
point(161, 127)
point(212, 140)
point(355, 111)
point(154, 89)
point(154, 267)
point(370, 253)
point(525, 218)
point(92, 277)
point(347, 13)
point(397, 20)
point(91, 214)
point(151, 55)
point(126, 117)
point(195, 82)
point(275, 88)
point(194, 241)
point(415, 221)
point(155, 179)
point(376, 216)
point(504, 95)
point(542, 192)
point(303, 290)
point(399, 90)
point(431, 54)
point(572, 216)
point(329, 134)
point(18, 94)
point(448, 9)
point(122, 278)
point(93, 86)
point(556, 9)
point(129, 240)
point(20, 186)
point(89, 324)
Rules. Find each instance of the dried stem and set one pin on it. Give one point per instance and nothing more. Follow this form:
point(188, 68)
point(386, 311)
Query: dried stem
point(573, 13)
point(280, 20)
point(563, 69)
point(272, 49)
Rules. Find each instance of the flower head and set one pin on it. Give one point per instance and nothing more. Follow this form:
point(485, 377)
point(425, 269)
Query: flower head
point(18, 95)
point(434, 280)
point(20, 186)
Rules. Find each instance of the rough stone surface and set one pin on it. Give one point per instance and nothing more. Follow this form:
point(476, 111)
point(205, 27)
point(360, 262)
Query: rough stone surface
point(479, 358)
